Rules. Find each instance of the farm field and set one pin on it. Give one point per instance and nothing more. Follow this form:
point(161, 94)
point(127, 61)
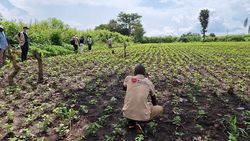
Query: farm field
point(203, 87)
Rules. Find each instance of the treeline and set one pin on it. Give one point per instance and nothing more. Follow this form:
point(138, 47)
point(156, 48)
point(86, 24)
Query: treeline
point(52, 36)
point(55, 32)
point(185, 39)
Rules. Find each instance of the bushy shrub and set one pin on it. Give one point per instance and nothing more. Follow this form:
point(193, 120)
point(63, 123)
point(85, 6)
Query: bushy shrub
point(56, 38)
point(11, 29)
point(159, 39)
point(238, 38)
point(53, 50)
point(183, 39)
point(210, 39)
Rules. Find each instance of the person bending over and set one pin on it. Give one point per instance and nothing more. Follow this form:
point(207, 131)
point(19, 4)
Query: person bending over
point(140, 104)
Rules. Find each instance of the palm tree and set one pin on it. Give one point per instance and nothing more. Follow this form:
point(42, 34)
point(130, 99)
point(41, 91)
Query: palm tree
point(246, 25)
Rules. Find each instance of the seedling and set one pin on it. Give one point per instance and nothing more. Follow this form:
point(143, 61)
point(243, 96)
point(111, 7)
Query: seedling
point(199, 127)
point(152, 126)
point(117, 130)
point(10, 116)
point(108, 109)
point(139, 137)
point(234, 131)
point(201, 114)
point(26, 133)
point(177, 110)
point(103, 119)
point(93, 102)
point(113, 99)
point(84, 109)
point(177, 120)
point(8, 127)
point(92, 128)
point(108, 138)
point(62, 129)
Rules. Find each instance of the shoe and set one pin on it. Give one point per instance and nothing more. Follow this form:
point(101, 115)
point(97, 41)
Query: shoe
point(139, 129)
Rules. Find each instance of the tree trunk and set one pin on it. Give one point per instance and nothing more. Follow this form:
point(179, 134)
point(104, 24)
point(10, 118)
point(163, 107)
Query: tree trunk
point(40, 70)
point(40, 66)
point(16, 67)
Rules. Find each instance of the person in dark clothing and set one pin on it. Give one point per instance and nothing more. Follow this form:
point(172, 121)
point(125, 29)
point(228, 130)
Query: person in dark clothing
point(81, 44)
point(90, 42)
point(23, 40)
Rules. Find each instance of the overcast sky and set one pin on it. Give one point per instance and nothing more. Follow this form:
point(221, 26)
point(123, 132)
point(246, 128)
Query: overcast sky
point(159, 17)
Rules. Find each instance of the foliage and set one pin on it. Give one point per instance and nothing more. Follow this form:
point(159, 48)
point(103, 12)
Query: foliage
point(234, 131)
point(54, 32)
point(204, 19)
point(128, 24)
point(189, 78)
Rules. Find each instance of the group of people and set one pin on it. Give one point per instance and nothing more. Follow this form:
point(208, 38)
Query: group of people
point(140, 104)
point(79, 42)
point(23, 40)
point(76, 42)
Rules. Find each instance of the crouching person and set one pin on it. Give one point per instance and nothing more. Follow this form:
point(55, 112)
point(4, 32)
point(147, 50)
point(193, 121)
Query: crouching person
point(140, 104)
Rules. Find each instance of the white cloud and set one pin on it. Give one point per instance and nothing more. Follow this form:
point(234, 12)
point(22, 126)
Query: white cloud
point(175, 17)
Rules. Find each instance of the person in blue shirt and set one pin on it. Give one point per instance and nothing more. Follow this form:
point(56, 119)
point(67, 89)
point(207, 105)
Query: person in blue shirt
point(3, 46)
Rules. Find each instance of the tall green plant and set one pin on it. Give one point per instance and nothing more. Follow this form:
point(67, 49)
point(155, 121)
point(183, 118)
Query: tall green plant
point(204, 20)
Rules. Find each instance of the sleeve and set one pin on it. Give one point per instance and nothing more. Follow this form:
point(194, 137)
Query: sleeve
point(152, 88)
point(125, 83)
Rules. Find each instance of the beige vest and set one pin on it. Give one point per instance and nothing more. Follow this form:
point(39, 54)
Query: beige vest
point(21, 39)
point(137, 104)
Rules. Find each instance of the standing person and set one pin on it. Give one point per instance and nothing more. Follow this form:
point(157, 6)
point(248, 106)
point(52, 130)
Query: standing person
point(75, 42)
point(82, 43)
point(90, 42)
point(76, 45)
point(140, 104)
point(3, 46)
point(23, 40)
point(110, 42)
point(125, 44)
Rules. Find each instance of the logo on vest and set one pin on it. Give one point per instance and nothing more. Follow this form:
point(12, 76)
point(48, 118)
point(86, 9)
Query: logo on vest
point(134, 80)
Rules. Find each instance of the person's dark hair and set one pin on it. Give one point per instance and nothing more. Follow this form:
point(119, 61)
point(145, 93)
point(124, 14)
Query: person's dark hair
point(139, 69)
point(25, 27)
